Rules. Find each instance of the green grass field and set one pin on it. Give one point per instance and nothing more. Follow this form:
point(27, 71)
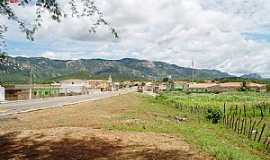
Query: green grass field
point(158, 115)
point(217, 100)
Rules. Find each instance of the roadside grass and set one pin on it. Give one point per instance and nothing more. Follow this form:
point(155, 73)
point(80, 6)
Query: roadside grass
point(138, 113)
point(153, 116)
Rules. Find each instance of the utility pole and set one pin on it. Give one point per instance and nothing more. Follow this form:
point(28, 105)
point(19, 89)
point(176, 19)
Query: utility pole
point(30, 81)
point(193, 71)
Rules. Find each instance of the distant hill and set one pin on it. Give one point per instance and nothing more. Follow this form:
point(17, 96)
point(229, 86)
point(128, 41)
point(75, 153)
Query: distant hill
point(16, 70)
point(252, 76)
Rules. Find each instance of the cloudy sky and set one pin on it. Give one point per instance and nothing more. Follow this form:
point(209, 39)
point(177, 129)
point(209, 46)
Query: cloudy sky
point(228, 35)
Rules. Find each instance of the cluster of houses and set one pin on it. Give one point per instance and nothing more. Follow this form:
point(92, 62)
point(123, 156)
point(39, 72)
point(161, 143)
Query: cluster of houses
point(207, 87)
point(155, 87)
point(224, 87)
point(82, 87)
point(69, 87)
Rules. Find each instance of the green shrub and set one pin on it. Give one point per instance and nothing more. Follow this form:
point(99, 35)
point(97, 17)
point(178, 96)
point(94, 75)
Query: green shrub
point(268, 88)
point(214, 115)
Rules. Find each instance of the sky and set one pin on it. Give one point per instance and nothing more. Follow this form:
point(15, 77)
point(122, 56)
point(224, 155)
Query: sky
point(228, 35)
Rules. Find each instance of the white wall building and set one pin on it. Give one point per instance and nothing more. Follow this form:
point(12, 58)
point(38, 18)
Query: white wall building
point(74, 86)
point(2, 94)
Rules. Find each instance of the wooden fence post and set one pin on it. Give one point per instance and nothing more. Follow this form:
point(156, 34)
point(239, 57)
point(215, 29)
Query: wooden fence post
point(250, 134)
point(236, 124)
point(260, 137)
point(242, 126)
point(245, 126)
point(250, 125)
point(245, 112)
point(224, 114)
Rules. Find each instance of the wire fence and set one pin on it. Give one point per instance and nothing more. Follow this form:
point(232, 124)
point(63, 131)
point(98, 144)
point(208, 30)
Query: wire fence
point(251, 122)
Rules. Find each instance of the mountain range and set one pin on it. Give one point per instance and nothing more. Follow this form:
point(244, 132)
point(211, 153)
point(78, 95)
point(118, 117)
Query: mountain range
point(17, 70)
point(252, 76)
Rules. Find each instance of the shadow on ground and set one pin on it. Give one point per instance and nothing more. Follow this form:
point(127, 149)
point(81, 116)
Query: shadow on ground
point(37, 147)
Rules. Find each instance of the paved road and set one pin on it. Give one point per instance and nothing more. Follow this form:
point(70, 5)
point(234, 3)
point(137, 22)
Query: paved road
point(37, 104)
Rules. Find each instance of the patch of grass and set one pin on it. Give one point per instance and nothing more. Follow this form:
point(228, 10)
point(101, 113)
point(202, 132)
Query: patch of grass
point(217, 100)
point(152, 116)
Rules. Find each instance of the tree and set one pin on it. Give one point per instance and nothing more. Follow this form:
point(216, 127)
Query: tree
point(3, 56)
point(244, 86)
point(165, 79)
point(89, 9)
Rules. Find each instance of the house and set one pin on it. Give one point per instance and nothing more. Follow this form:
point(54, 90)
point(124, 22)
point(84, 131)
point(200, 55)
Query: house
point(104, 85)
point(140, 88)
point(159, 87)
point(17, 92)
point(2, 94)
point(179, 85)
point(229, 86)
point(149, 86)
point(212, 87)
point(256, 87)
point(74, 87)
point(96, 84)
point(27, 91)
point(116, 86)
point(223, 87)
point(200, 87)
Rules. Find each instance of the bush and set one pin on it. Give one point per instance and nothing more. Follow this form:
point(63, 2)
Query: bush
point(214, 115)
point(268, 88)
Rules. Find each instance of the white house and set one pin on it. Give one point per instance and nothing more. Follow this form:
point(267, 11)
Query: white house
point(2, 94)
point(74, 86)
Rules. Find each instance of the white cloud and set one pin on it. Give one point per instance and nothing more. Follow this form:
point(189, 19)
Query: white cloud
point(175, 31)
point(50, 55)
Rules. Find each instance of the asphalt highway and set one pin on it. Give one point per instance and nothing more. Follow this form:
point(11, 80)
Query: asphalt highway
point(12, 108)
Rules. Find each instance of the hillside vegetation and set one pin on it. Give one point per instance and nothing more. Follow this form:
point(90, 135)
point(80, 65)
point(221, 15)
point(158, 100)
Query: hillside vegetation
point(17, 70)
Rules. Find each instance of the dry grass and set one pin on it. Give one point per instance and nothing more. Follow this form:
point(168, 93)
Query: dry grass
point(78, 132)
point(92, 114)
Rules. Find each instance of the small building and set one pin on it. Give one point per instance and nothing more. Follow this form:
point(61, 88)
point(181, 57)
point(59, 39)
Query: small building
point(140, 88)
point(256, 87)
point(2, 94)
point(200, 87)
point(116, 86)
point(45, 90)
point(14, 93)
point(179, 85)
point(74, 87)
point(223, 87)
point(149, 86)
point(229, 86)
point(35, 91)
point(104, 85)
point(96, 84)
point(160, 87)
